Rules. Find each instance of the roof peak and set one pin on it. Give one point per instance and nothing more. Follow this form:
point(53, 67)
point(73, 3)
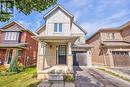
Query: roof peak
point(55, 8)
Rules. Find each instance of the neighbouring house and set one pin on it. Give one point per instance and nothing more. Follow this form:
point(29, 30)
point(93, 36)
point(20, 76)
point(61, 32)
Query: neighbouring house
point(61, 44)
point(111, 46)
point(16, 42)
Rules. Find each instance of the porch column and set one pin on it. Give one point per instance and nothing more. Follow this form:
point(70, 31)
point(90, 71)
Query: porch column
point(70, 57)
point(89, 58)
point(14, 54)
point(40, 58)
point(110, 58)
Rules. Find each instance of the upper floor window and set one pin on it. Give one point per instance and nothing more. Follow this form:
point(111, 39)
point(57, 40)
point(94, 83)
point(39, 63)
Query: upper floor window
point(57, 27)
point(111, 35)
point(11, 36)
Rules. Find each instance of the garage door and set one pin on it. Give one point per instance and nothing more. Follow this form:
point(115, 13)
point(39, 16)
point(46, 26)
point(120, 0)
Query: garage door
point(121, 58)
point(79, 58)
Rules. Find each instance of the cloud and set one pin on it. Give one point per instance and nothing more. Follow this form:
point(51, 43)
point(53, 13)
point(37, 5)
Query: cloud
point(113, 20)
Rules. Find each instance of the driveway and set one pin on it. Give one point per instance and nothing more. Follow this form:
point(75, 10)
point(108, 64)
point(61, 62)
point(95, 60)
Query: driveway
point(123, 70)
point(89, 77)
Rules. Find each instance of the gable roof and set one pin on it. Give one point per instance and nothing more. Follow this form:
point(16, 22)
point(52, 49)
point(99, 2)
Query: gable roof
point(9, 24)
point(122, 27)
point(58, 7)
point(83, 30)
point(42, 26)
point(66, 12)
point(101, 30)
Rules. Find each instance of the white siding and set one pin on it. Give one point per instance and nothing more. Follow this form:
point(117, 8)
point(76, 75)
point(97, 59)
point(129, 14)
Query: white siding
point(76, 30)
point(58, 17)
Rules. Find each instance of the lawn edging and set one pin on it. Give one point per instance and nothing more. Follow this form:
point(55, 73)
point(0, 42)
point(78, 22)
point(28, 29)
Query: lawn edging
point(113, 73)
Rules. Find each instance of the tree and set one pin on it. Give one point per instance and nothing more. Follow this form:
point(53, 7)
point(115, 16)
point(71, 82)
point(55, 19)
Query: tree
point(26, 7)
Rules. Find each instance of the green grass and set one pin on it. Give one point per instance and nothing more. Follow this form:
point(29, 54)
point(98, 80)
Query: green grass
point(114, 74)
point(26, 78)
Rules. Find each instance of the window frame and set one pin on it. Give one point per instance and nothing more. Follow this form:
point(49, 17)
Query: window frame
point(11, 36)
point(111, 35)
point(58, 27)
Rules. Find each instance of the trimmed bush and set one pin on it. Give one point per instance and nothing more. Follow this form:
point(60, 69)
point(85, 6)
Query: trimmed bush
point(20, 67)
point(68, 78)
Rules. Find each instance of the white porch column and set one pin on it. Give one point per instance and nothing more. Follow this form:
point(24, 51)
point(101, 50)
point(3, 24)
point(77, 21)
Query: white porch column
point(70, 57)
point(40, 58)
point(69, 48)
point(110, 58)
point(89, 58)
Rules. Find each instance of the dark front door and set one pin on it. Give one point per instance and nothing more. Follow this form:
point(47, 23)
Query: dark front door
point(61, 54)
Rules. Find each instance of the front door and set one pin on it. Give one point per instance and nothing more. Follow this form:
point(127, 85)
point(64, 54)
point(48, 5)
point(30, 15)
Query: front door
point(8, 56)
point(61, 54)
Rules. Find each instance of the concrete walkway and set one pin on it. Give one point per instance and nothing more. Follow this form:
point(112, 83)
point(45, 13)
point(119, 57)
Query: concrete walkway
point(56, 84)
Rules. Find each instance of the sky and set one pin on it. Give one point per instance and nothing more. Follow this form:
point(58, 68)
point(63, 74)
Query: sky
point(90, 14)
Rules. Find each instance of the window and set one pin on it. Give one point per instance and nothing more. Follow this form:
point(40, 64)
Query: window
point(111, 35)
point(19, 53)
point(120, 52)
point(57, 27)
point(11, 36)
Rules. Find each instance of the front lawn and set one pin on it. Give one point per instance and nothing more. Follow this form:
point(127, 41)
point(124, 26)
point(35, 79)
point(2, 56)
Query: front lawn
point(26, 78)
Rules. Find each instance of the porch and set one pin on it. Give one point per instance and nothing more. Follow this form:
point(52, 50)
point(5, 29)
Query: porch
point(54, 55)
point(10, 51)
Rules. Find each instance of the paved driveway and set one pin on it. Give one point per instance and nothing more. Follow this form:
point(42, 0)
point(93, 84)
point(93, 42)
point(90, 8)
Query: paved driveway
point(87, 77)
point(123, 70)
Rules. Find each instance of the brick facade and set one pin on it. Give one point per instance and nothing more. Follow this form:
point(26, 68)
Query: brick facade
point(27, 55)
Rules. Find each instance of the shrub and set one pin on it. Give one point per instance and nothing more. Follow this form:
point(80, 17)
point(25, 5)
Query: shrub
point(20, 67)
point(68, 78)
point(3, 68)
point(13, 66)
point(34, 75)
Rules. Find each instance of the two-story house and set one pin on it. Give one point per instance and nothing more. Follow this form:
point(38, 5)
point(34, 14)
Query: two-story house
point(111, 46)
point(16, 42)
point(61, 44)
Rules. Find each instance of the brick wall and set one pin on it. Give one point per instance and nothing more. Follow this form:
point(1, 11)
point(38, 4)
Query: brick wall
point(32, 48)
point(2, 54)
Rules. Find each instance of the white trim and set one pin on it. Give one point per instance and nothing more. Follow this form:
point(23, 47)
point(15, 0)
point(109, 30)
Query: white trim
point(24, 28)
point(37, 31)
point(56, 7)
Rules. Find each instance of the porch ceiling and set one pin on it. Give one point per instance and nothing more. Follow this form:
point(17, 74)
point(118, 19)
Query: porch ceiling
point(61, 39)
